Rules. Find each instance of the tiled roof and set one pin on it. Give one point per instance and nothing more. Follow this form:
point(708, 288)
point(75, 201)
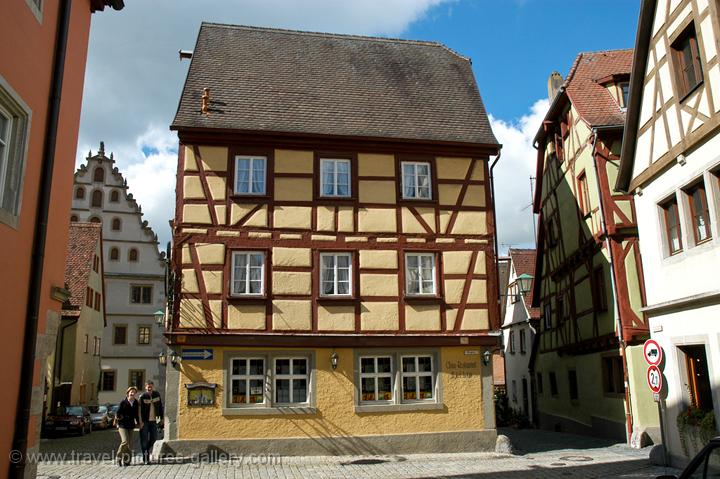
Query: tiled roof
point(591, 99)
point(263, 79)
point(523, 261)
point(82, 244)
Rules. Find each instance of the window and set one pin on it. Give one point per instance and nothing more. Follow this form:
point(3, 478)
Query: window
point(552, 233)
point(613, 376)
point(107, 380)
point(73, 218)
point(600, 290)
point(141, 294)
point(416, 181)
point(335, 178)
point(514, 293)
point(699, 214)
point(553, 385)
point(523, 341)
point(114, 254)
point(624, 94)
point(97, 199)
point(248, 273)
point(376, 379)
point(96, 264)
point(573, 384)
point(133, 254)
point(539, 382)
point(514, 391)
point(560, 308)
point(114, 196)
point(13, 139)
point(116, 223)
point(99, 175)
point(547, 315)
point(250, 175)
point(698, 378)
point(137, 378)
point(247, 380)
point(143, 335)
point(419, 273)
point(672, 226)
point(335, 274)
point(80, 193)
point(89, 297)
point(417, 378)
point(686, 61)
point(512, 342)
point(583, 194)
point(86, 344)
point(120, 334)
point(291, 380)
point(97, 301)
point(95, 219)
point(96, 346)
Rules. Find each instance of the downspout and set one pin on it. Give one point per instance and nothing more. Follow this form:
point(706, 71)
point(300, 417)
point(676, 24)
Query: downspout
point(497, 252)
point(22, 414)
point(628, 405)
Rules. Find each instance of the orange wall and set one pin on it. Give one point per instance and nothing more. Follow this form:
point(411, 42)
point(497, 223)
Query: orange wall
point(26, 50)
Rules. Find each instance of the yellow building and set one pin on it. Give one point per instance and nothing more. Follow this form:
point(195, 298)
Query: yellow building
point(333, 248)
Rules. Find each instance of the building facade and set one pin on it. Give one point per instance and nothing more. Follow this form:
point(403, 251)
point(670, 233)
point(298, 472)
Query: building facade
point(39, 140)
point(134, 278)
point(671, 166)
point(74, 366)
point(589, 367)
point(519, 326)
point(333, 248)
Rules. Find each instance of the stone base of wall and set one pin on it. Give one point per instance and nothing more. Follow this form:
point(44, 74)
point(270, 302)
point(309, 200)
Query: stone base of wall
point(599, 427)
point(442, 442)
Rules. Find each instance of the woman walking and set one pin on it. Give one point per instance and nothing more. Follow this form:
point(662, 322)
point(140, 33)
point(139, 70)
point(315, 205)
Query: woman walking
point(127, 418)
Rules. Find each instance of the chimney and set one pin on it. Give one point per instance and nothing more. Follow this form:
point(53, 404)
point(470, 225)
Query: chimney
point(205, 101)
point(554, 83)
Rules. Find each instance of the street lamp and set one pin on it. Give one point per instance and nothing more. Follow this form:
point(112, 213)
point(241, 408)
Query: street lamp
point(334, 360)
point(159, 316)
point(162, 357)
point(525, 281)
point(174, 358)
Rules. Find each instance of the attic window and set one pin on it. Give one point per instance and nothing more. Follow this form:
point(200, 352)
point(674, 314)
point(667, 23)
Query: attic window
point(99, 175)
point(686, 61)
point(624, 88)
point(114, 196)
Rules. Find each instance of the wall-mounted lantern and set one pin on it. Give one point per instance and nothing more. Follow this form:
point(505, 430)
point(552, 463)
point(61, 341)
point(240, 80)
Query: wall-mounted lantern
point(159, 316)
point(524, 282)
point(334, 360)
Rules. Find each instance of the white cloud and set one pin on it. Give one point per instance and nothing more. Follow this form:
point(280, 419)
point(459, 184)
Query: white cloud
point(512, 177)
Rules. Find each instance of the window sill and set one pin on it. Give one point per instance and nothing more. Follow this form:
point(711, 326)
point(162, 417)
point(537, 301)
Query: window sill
point(268, 411)
point(430, 298)
point(250, 197)
point(416, 201)
point(247, 299)
point(408, 407)
point(337, 299)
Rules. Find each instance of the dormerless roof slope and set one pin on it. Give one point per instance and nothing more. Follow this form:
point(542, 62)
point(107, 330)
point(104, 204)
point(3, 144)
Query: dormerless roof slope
point(272, 80)
point(82, 243)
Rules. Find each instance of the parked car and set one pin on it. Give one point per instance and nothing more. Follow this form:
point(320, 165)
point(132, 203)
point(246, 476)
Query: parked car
point(112, 410)
point(69, 419)
point(706, 464)
point(100, 417)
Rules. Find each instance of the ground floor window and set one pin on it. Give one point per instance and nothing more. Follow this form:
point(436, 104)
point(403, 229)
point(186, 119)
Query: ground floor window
point(613, 377)
point(137, 378)
point(553, 384)
point(107, 380)
point(698, 379)
point(376, 379)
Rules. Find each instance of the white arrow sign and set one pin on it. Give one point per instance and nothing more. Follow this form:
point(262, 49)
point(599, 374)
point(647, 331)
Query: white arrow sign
point(197, 354)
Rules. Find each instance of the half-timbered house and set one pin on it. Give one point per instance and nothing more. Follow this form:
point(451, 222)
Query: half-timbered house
point(671, 166)
point(588, 364)
point(333, 247)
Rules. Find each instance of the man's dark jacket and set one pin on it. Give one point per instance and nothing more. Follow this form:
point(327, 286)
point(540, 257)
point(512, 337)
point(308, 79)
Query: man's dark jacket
point(146, 399)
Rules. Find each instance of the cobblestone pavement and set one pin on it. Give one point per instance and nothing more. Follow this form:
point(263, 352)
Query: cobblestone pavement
point(538, 454)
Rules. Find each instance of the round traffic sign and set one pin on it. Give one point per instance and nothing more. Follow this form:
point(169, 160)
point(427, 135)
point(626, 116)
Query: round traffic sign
point(652, 352)
point(654, 379)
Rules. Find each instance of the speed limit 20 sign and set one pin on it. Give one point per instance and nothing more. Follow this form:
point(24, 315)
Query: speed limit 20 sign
point(654, 379)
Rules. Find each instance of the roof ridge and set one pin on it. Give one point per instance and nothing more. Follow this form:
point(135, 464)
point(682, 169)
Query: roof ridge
point(576, 63)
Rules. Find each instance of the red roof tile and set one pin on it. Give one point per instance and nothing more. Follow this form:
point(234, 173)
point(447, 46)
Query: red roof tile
point(82, 244)
point(523, 261)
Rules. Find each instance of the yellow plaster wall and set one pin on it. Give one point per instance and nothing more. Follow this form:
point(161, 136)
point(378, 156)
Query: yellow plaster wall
point(454, 290)
point(461, 395)
point(336, 318)
point(379, 316)
point(377, 192)
point(474, 196)
point(190, 162)
point(291, 314)
point(475, 319)
point(325, 220)
point(376, 165)
point(293, 189)
point(470, 222)
point(238, 211)
point(480, 263)
point(456, 262)
point(345, 218)
point(293, 161)
point(213, 281)
point(216, 312)
point(189, 281)
point(192, 188)
point(422, 317)
point(191, 314)
point(452, 168)
point(478, 291)
point(186, 254)
point(377, 220)
point(378, 285)
point(196, 214)
point(291, 257)
point(448, 194)
point(297, 217)
point(378, 259)
point(211, 253)
point(410, 224)
point(291, 282)
point(217, 187)
point(214, 158)
point(259, 218)
point(246, 316)
point(478, 171)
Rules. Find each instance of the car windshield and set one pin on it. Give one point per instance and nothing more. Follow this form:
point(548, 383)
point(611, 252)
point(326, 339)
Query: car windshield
point(115, 408)
point(98, 409)
point(71, 411)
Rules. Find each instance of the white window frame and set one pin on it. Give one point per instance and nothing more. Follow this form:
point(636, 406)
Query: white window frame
point(15, 151)
point(421, 291)
point(247, 275)
point(375, 375)
point(417, 374)
point(335, 162)
point(252, 159)
point(291, 377)
point(416, 185)
point(335, 255)
point(247, 377)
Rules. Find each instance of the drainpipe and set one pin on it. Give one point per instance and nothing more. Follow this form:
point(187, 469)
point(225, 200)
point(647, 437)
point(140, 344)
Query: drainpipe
point(497, 252)
point(618, 322)
point(22, 414)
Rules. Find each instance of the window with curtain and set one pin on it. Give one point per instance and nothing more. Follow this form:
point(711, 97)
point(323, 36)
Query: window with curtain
point(672, 226)
point(248, 272)
point(416, 181)
point(335, 273)
point(420, 273)
point(250, 175)
point(417, 378)
point(376, 378)
point(291, 380)
point(335, 178)
point(247, 381)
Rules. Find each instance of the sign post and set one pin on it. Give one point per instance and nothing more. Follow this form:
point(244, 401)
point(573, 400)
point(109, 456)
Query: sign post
point(653, 354)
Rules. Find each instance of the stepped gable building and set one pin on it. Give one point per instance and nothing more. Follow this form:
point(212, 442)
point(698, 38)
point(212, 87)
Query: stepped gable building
point(671, 167)
point(333, 245)
point(134, 277)
point(590, 372)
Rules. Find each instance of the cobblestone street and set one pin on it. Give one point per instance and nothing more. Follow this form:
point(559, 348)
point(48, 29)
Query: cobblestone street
point(538, 454)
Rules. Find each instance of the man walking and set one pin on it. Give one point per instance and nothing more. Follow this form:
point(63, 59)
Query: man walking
point(151, 413)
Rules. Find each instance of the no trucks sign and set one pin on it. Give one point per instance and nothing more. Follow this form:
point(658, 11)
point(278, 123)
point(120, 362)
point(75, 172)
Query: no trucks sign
point(652, 352)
